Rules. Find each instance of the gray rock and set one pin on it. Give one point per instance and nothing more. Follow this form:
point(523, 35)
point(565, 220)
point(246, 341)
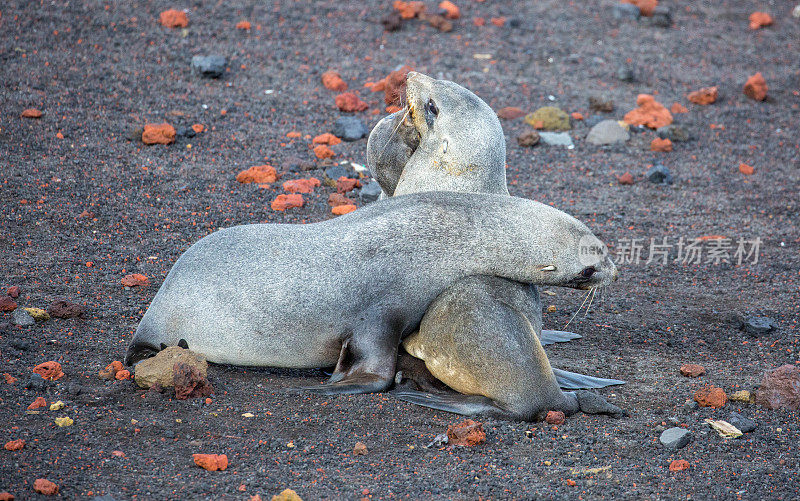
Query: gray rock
point(74, 389)
point(690, 405)
point(438, 441)
point(675, 438)
point(370, 192)
point(625, 73)
point(662, 17)
point(626, 11)
point(22, 317)
point(758, 326)
point(209, 66)
point(744, 424)
point(21, 344)
point(607, 132)
point(556, 139)
point(334, 172)
point(185, 132)
point(36, 383)
point(674, 133)
point(350, 128)
point(659, 174)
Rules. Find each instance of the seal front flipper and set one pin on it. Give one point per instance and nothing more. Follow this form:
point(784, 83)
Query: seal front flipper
point(592, 403)
point(466, 405)
point(351, 385)
point(552, 337)
point(574, 381)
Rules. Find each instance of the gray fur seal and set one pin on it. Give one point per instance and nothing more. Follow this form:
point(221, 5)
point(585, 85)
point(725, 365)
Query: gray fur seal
point(345, 291)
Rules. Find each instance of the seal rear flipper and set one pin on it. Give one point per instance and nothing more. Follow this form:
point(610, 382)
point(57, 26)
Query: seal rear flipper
point(552, 337)
point(466, 405)
point(574, 381)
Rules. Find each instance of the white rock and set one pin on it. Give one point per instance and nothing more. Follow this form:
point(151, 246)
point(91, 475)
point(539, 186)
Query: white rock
point(607, 132)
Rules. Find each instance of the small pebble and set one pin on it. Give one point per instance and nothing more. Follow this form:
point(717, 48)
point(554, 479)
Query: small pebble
point(209, 66)
point(675, 438)
point(659, 174)
point(758, 326)
point(744, 424)
point(370, 192)
point(625, 73)
point(350, 128)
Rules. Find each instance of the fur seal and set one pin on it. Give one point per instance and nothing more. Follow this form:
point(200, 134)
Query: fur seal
point(346, 290)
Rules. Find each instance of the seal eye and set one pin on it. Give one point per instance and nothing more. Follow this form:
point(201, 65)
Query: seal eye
point(588, 272)
point(431, 108)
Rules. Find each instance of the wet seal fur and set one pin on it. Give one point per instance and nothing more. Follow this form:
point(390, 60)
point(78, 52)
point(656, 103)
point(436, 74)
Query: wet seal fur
point(345, 291)
point(482, 337)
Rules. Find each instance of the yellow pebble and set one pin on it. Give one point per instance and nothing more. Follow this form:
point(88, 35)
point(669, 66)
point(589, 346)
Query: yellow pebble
point(57, 406)
point(551, 308)
point(64, 421)
point(38, 314)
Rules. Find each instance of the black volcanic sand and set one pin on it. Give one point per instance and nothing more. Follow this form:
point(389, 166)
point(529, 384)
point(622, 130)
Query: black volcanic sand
point(100, 70)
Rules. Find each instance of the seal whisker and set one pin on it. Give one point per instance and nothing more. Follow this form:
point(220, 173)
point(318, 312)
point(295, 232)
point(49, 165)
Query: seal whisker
point(593, 290)
point(579, 309)
point(394, 132)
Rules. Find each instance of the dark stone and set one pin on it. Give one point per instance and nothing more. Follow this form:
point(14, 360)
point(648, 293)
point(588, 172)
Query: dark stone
point(626, 11)
point(209, 66)
point(21, 344)
point(392, 22)
point(625, 73)
point(135, 135)
point(185, 132)
point(601, 103)
point(780, 388)
point(349, 128)
point(74, 389)
point(189, 383)
point(334, 172)
point(370, 192)
point(36, 383)
point(61, 308)
point(659, 174)
point(662, 17)
point(530, 138)
point(674, 133)
point(514, 22)
point(758, 326)
point(744, 424)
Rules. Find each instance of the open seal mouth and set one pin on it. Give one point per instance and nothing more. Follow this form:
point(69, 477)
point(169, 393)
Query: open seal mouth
point(405, 128)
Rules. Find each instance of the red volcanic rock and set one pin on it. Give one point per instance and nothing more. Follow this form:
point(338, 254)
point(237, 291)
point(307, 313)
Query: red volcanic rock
point(110, 372)
point(756, 87)
point(345, 184)
point(189, 383)
point(6, 496)
point(337, 199)
point(7, 304)
point(122, 375)
point(283, 202)
point(211, 462)
point(659, 144)
point(162, 133)
point(37, 404)
point(677, 108)
point(780, 388)
point(395, 86)
point(260, 174)
point(498, 21)
point(46, 487)
point(49, 370)
point(333, 81)
point(408, 10)
point(340, 210)
point(451, 10)
point(625, 179)
point(554, 417)
point(649, 113)
point(646, 7)
point(692, 370)
point(172, 18)
point(576, 116)
point(466, 433)
point(479, 21)
point(14, 445)
point(510, 113)
point(704, 96)
point(301, 185)
point(711, 396)
point(759, 20)
point(679, 465)
point(326, 138)
point(441, 23)
point(61, 308)
point(243, 25)
point(323, 151)
point(134, 280)
point(13, 291)
point(747, 170)
point(350, 102)
point(31, 113)
point(9, 378)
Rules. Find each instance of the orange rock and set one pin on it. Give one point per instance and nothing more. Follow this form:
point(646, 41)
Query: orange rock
point(38, 403)
point(110, 372)
point(760, 19)
point(293, 134)
point(301, 185)
point(336, 199)
point(577, 116)
point(451, 10)
point(704, 96)
point(466, 433)
point(649, 113)
point(6, 496)
point(283, 202)
point(646, 7)
point(510, 113)
point(677, 108)
point(498, 21)
point(49, 370)
point(393, 109)
point(15, 445)
point(135, 279)
point(360, 449)
point(343, 209)
point(747, 170)
point(756, 87)
point(46, 487)
point(162, 133)
point(198, 128)
point(345, 184)
point(31, 113)
point(692, 370)
point(59, 135)
point(327, 138)
point(679, 465)
point(243, 25)
point(350, 102)
point(659, 144)
point(479, 21)
point(395, 86)
point(378, 86)
point(408, 10)
point(323, 151)
point(9, 378)
point(711, 396)
point(122, 375)
point(211, 462)
point(626, 178)
point(538, 124)
point(554, 417)
point(172, 18)
point(258, 174)
point(333, 81)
